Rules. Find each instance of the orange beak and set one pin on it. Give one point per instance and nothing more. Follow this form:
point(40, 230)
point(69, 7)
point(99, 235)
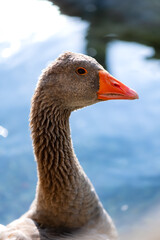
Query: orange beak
point(111, 88)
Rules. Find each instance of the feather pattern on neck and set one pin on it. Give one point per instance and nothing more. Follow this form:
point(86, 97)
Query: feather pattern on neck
point(63, 187)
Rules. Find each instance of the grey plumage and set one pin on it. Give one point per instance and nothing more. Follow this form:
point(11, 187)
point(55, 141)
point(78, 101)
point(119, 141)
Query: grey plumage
point(66, 205)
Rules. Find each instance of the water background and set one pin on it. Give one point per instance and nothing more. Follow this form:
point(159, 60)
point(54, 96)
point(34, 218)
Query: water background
point(117, 142)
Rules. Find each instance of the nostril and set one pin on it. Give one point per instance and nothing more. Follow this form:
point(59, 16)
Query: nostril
point(116, 85)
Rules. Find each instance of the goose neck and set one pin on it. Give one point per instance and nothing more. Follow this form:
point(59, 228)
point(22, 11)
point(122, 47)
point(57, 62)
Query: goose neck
point(65, 196)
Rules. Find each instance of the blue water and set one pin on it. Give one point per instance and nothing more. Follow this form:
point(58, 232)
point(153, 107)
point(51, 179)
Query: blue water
point(117, 142)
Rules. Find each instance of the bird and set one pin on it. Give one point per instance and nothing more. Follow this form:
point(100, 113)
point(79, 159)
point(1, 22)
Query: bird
point(66, 205)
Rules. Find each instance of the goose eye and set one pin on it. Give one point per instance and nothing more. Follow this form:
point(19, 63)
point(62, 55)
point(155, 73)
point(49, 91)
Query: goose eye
point(81, 71)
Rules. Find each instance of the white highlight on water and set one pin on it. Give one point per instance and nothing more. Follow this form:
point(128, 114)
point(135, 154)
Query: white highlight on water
point(22, 22)
point(3, 132)
point(124, 207)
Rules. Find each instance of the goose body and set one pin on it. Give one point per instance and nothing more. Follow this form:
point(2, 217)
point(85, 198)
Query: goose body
point(66, 205)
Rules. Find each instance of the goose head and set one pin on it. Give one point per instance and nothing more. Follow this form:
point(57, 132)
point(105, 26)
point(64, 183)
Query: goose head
point(75, 80)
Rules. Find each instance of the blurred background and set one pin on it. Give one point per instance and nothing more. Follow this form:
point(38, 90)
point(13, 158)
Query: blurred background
point(117, 142)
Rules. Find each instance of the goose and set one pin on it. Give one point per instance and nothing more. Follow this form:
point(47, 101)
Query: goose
point(66, 205)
